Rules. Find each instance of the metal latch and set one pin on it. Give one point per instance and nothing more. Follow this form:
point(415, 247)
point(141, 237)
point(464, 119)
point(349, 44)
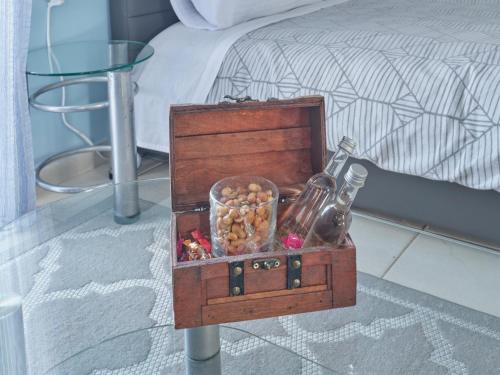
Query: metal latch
point(236, 278)
point(294, 272)
point(237, 99)
point(265, 264)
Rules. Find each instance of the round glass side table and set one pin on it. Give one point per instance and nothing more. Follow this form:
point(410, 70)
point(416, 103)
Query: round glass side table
point(96, 297)
point(109, 62)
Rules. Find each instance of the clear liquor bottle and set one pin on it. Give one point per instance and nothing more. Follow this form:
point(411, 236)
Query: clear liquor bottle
point(296, 221)
point(333, 223)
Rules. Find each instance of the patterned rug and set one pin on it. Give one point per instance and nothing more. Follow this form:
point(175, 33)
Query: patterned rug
point(97, 281)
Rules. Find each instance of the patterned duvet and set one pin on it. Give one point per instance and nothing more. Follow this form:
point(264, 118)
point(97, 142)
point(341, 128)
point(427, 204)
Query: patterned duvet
point(415, 82)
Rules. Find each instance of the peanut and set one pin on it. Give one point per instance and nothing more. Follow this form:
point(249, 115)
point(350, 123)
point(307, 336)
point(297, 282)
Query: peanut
point(250, 217)
point(262, 196)
point(222, 211)
point(220, 223)
point(233, 213)
point(252, 197)
point(228, 220)
point(254, 187)
point(227, 191)
point(262, 212)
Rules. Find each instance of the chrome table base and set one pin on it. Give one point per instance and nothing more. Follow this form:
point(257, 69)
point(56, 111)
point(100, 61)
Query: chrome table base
point(123, 145)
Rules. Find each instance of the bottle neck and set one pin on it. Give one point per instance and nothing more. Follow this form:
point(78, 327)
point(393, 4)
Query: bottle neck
point(345, 197)
point(336, 163)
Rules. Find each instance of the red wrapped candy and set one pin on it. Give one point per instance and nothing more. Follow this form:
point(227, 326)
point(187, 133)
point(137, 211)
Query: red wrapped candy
point(292, 241)
point(196, 247)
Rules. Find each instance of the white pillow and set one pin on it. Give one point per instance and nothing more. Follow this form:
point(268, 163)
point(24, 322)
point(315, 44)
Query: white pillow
point(220, 14)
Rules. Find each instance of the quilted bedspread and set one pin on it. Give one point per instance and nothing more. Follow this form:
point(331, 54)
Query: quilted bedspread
point(415, 82)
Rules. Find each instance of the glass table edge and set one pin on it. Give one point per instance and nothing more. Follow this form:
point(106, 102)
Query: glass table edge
point(123, 67)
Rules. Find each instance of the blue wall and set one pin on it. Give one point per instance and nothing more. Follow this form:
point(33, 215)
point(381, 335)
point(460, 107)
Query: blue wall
point(76, 20)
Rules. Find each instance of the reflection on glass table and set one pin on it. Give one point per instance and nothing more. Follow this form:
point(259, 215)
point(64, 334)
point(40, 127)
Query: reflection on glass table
point(241, 353)
point(97, 299)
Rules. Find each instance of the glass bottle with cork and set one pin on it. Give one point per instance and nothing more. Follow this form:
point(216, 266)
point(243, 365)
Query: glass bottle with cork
point(296, 222)
point(333, 222)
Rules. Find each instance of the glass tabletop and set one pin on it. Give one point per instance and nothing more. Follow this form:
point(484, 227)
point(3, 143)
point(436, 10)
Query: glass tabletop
point(97, 298)
point(84, 58)
point(242, 353)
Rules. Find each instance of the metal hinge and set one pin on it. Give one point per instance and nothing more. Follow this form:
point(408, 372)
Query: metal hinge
point(238, 99)
point(294, 272)
point(236, 278)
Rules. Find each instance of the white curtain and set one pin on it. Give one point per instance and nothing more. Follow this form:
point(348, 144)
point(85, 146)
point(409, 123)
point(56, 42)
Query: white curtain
point(17, 177)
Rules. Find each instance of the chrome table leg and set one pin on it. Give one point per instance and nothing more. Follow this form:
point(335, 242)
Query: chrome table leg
point(211, 366)
point(12, 347)
point(202, 343)
point(123, 146)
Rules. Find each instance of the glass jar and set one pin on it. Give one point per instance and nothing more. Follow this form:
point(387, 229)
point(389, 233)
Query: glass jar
point(243, 212)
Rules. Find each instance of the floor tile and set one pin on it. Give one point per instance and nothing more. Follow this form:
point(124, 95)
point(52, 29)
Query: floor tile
point(97, 176)
point(161, 171)
point(459, 273)
point(378, 244)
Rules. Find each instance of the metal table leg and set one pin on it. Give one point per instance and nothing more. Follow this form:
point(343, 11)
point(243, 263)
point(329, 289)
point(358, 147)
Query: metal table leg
point(202, 343)
point(211, 366)
point(123, 146)
point(12, 347)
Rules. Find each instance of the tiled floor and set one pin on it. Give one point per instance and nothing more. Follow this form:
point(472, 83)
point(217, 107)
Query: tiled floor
point(453, 270)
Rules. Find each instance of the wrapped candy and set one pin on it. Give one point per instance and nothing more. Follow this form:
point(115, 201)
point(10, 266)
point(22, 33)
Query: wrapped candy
point(196, 247)
point(292, 241)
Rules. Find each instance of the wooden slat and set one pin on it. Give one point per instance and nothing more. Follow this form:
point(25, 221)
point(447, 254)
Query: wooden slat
point(318, 138)
point(217, 288)
point(187, 297)
point(316, 258)
point(239, 143)
point(265, 280)
point(314, 275)
point(214, 271)
point(195, 177)
point(275, 293)
point(344, 276)
point(266, 307)
point(228, 120)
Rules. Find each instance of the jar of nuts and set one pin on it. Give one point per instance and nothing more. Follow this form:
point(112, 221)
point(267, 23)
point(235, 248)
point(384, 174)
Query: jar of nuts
point(243, 215)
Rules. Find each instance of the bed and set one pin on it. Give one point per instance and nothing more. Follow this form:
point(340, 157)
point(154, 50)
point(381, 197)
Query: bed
point(419, 90)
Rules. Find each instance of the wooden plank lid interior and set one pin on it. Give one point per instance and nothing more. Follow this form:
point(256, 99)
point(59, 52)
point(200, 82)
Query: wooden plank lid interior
point(281, 140)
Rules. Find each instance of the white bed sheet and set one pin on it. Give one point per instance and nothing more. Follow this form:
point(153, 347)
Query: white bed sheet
point(183, 70)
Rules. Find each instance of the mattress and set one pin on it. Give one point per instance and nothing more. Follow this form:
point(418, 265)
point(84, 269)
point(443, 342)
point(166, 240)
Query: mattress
point(416, 83)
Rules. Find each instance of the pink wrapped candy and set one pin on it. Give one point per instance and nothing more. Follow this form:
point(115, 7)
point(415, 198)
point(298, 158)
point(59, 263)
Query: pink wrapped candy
point(292, 241)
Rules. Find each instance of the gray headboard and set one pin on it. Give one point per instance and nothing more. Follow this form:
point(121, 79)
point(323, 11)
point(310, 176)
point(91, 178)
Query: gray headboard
point(140, 19)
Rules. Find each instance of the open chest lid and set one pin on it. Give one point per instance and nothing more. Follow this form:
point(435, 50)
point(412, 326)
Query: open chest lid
point(281, 140)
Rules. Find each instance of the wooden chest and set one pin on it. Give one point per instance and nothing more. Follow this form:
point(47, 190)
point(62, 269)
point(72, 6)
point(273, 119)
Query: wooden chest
point(283, 141)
